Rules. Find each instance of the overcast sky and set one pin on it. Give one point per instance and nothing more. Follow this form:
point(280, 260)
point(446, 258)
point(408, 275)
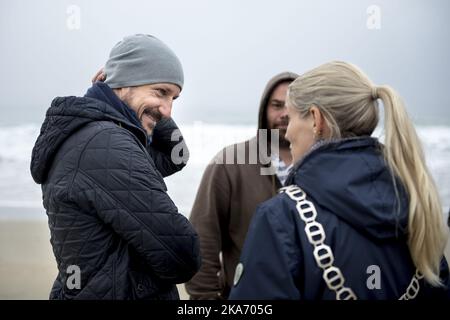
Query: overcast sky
point(229, 49)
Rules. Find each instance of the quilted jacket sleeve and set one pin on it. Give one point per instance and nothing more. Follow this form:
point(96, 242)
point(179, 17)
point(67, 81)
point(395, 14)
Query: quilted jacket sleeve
point(168, 149)
point(116, 178)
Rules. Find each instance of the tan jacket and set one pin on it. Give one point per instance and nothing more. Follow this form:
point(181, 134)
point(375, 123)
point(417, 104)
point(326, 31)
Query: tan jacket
point(226, 200)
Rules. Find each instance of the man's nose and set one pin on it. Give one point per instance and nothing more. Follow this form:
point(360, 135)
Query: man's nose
point(166, 109)
point(284, 113)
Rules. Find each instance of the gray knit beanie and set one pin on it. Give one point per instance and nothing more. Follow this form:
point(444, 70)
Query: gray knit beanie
point(142, 59)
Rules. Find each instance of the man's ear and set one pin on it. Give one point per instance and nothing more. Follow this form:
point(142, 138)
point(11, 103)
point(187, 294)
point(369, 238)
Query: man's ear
point(99, 76)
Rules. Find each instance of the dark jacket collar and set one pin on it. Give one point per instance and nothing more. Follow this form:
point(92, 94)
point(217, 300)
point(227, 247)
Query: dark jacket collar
point(350, 178)
point(101, 91)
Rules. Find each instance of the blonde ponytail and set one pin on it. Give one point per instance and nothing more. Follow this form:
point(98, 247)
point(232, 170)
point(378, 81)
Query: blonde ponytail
point(427, 234)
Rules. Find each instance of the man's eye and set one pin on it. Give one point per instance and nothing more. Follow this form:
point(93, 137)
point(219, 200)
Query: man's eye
point(162, 92)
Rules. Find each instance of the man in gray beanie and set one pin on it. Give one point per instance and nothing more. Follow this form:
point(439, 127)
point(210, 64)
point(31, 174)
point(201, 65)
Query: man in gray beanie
point(101, 159)
point(141, 64)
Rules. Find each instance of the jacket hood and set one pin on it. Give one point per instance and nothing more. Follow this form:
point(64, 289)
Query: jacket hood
point(276, 80)
point(350, 179)
point(65, 116)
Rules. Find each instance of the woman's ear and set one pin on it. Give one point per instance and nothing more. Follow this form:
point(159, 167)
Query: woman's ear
point(318, 121)
point(320, 125)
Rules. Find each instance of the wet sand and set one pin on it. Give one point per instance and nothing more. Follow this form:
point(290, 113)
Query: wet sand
point(27, 265)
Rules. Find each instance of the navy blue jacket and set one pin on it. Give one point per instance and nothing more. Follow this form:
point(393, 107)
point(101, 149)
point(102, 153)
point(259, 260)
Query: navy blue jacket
point(353, 192)
point(107, 206)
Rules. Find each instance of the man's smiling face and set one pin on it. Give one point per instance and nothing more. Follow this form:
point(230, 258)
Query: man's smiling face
point(151, 102)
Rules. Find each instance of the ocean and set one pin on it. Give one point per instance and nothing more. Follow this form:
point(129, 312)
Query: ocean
point(20, 196)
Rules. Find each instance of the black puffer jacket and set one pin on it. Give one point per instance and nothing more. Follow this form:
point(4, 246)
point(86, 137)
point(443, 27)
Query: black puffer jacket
point(107, 206)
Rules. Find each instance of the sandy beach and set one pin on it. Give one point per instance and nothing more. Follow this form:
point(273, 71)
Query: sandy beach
point(27, 266)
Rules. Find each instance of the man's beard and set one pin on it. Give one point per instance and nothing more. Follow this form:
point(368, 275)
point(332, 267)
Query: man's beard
point(152, 111)
point(281, 126)
point(283, 143)
point(155, 115)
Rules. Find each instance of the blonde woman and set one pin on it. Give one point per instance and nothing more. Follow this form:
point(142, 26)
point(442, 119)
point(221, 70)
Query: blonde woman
point(359, 219)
